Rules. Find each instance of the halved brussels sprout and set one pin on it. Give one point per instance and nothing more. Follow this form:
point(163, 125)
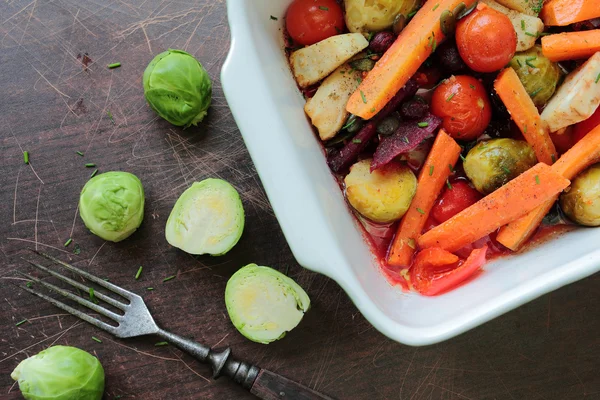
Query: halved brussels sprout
point(383, 195)
point(582, 202)
point(493, 163)
point(111, 205)
point(264, 304)
point(376, 15)
point(60, 373)
point(539, 75)
point(177, 87)
point(208, 218)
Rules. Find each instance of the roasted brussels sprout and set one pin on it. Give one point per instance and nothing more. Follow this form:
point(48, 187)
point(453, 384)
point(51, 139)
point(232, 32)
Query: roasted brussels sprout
point(60, 373)
point(539, 75)
point(383, 195)
point(111, 205)
point(582, 202)
point(493, 163)
point(264, 304)
point(177, 87)
point(376, 15)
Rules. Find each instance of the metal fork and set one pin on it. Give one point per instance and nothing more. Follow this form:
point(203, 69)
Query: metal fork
point(137, 321)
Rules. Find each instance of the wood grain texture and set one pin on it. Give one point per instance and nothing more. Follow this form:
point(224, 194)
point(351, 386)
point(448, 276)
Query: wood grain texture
point(56, 91)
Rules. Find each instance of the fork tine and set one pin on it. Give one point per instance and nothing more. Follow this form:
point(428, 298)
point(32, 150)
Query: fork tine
point(81, 286)
point(74, 297)
point(112, 287)
point(96, 322)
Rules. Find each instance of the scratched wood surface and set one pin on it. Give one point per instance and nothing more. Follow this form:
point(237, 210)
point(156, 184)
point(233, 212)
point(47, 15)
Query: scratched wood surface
point(55, 96)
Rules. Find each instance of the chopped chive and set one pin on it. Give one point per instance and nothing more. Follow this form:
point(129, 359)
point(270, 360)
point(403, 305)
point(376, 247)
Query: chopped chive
point(371, 34)
point(448, 184)
point(451, 168)
point(531, 58)
point(349, 124)
point(168, 278)
point(149, 288)
point(405, 140)
point(450, 97)
point(373, 109)
point(90, 165)
point(435, 7)
point(529, 64)
point(29, 284)
point(597, 79)
point(420, 211)
point(21, 322)
point(525, 129)
point(537, 180)
point(536, 91)
point(472, 86)
point(26, 157)
point(412, 14)
point(110, 116)
point(359, 80)
point(273, 18)
point(323, 8)
point(523, 24)
point(94, 173)
point(553, 157)
point(161, 344)
point(505, 169)
point(338, 30)
point(530, 34)
point(519, 62)
point(77, 249)
point(94, 338)
point(68, 242)
point(356, 141)
point(138, 273)
point(463, 158)
point(114, 65)
point(431, 170)
point(80, 153)
point(423, 124)
point(93, 296)
point(364, 99)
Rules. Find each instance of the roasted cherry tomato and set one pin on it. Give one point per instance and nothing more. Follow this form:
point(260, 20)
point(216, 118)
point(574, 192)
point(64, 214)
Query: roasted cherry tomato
point(584, 127)
point(310, 21)
point(464, 105)
point(486, 39)
point(454, 200)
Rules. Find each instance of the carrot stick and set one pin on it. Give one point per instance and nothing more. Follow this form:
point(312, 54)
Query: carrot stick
point(566, 12)
point(412, 47)
point(511, 201)
point(525, 114)
point(432, 178)
point(571, 45)
point(579, 157)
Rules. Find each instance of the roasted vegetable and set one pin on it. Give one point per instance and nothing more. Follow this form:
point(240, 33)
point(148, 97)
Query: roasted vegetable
point(529, 7)
point(264, 304)
point(539, 75)
point(582, 202)
point(526, 26)
point(493, 163)
point(383, 195)
point(314, 63)
point(376, 15)
point(111, 205)
point(60, 373)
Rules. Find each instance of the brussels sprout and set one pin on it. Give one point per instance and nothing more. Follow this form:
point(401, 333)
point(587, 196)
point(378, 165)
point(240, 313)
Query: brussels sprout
point(383, 195)
point(60, 373)
point(376, 15)
point(111, 205)
point(264, 304)
point(177, 87)
point(539, 75)
point(208, 218)
point(493, 163)
point(582, 202)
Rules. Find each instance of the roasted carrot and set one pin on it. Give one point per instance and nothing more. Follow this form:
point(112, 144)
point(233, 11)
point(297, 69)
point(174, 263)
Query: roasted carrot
point(566, 12)
point(432, 178)
point(511, 201)
point(571, 45)
point(525, 114)
point(579, 157)
point(412, 47)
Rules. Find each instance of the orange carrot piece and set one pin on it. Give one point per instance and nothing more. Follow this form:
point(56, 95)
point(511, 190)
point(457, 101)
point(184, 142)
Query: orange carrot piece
point(579, 157)
point(566, 12)
point(412, 47)
point(525, 114)
point(571, 45)
point(433, 176)
point(511, 201)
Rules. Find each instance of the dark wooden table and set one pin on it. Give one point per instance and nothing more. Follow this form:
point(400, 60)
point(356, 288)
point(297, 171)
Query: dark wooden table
point(55, 99)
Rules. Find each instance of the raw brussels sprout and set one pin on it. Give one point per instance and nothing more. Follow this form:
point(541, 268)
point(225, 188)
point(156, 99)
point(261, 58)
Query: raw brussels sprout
point(60, 373)
point(539, 75)
point(208, 218)
point(111, 205)
point(493, 163)
point(264, 304)
point(177, 87)
point(376, 15)
point(582, 202)
point(383, 195)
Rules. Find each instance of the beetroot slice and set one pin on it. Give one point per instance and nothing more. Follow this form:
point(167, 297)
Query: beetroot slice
point(342, 159)
point(407, 137)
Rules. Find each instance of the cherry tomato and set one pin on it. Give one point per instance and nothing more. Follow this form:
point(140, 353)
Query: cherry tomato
point(454, 200)
point(486, 39)
point(427, 77)
point(310, 21)
point(584, 127)
point(462, 102)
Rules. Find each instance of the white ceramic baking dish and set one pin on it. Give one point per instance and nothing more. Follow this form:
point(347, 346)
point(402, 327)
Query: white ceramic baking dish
point(318, 225)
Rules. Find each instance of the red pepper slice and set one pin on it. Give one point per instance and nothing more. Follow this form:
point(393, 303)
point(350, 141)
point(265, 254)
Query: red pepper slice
point(435, 270)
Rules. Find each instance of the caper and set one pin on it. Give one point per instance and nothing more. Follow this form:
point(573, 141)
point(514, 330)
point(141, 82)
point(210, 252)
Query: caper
point(399, 24)
point(354, 124)
point(459, 9)
point(362, 64)
point(388, 126)
point(447, 23)
point(465, 11)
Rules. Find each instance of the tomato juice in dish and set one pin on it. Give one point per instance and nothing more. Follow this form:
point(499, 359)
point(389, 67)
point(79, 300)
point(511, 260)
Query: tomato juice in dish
point(459, 131)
